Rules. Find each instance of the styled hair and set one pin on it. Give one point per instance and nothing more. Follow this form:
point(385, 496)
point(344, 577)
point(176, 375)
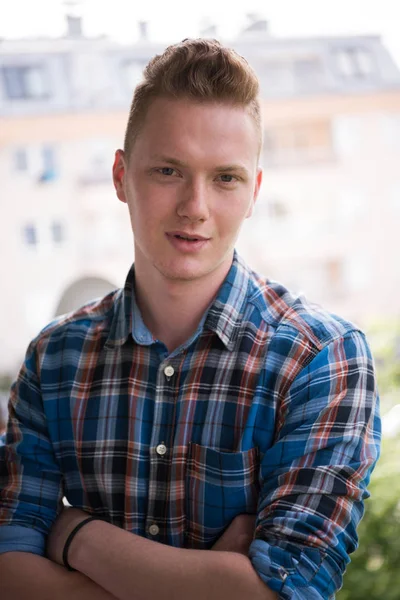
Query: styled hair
point(200, 69)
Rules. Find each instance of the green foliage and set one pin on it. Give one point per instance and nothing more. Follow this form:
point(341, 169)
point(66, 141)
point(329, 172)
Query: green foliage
point(384, 338)
point(5, 382)
point(374, 571)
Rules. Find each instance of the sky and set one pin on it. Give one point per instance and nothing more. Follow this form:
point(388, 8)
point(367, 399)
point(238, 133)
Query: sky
point(174, 20)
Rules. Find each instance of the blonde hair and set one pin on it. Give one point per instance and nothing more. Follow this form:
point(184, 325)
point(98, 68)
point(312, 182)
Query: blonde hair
point(199, 69)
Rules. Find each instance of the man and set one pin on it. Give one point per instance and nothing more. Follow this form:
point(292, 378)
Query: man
point(220, 430)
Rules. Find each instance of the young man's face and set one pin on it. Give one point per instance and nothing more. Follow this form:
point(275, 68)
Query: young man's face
point(191, 180)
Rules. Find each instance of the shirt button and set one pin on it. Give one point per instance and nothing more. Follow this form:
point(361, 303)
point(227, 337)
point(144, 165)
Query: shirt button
point(282, 573)
point(161, 449)
point(169, 371)
point(154, 529)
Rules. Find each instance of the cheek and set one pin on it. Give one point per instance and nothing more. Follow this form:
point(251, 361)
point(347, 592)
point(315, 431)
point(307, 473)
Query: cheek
point(153, 201)
point(147, 218)
point(229, 226)
point(234, 213)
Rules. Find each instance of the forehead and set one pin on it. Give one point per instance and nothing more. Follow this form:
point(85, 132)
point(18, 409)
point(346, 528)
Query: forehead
point(192, 129)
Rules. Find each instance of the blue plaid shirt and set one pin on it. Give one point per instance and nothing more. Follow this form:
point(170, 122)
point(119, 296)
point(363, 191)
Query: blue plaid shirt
point(270, 408)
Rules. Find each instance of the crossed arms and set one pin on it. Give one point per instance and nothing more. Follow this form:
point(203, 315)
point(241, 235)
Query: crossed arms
point(112, 563)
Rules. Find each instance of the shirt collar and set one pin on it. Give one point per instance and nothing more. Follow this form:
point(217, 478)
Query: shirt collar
point(226, 313)
point(121, 324)
point(140, 332)
point(224, 317)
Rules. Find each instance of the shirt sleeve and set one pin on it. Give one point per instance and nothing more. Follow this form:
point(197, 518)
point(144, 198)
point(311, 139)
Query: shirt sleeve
point(315, 476)
point(30, 479)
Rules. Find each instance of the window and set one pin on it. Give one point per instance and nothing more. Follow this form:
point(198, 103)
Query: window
point(21, 159)
point(298, 142)
point(277, 209)
point(49, 164)
point(30, 235)
point(48, 154)
point(272, 214)
point(57, 232)
point(355, 63)
point(25, 82)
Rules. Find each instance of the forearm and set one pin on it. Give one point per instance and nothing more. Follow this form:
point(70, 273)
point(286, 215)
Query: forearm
point(135, 568)
point(25, 576)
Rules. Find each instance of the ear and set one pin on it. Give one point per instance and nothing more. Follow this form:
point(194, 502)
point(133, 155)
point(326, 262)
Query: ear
point(119, 174)
point(256, 191)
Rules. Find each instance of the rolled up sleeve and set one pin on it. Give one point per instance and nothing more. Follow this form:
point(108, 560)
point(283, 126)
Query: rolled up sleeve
point(315, 476)
point(30, 479)
point(14, 538)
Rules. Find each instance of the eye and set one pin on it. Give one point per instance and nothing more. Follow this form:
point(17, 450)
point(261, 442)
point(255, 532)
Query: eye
point(226, 178)
point(167, 171)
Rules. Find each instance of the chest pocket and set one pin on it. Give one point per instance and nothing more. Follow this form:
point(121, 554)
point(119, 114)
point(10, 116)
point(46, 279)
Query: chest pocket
point(219, 486)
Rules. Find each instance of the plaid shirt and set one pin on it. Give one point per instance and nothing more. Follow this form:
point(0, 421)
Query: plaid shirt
point(270, 408)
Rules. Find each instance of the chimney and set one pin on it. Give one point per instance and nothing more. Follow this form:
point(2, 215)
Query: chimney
point(257, 26)
point(143, 31)
point(74, 26)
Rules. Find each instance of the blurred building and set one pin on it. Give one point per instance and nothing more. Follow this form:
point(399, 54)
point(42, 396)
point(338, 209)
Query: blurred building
point(324, 224)
point(328, 221)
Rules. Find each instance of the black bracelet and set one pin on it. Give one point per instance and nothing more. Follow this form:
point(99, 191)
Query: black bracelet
point(71, 537)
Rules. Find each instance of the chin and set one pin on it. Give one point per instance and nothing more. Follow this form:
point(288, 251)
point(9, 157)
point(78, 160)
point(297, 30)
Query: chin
point(183, 272)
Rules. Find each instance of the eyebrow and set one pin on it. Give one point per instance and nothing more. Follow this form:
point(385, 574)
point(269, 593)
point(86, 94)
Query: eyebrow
point(221, 169)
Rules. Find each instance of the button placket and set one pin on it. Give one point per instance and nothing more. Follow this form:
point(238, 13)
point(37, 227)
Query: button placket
point(159, 453)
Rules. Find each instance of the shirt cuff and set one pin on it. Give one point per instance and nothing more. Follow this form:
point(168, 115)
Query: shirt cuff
point(303, 575)
point(16, 538)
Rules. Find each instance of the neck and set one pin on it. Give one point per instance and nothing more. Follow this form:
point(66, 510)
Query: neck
point(175, 317)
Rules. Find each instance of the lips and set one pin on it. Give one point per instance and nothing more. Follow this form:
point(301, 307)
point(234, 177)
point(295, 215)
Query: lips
point(187, 243)
point(189, 237)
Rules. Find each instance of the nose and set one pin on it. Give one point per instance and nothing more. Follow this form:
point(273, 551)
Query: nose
point(193, 203)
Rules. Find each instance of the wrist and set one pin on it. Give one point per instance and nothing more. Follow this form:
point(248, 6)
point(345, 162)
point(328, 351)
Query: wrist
point(74, 541)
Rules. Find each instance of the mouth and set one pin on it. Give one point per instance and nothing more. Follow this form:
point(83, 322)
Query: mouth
point(187, 243)
point(188, 237)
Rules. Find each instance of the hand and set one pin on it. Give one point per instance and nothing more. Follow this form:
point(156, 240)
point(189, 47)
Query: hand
point(238, 536)
point(66, 521)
